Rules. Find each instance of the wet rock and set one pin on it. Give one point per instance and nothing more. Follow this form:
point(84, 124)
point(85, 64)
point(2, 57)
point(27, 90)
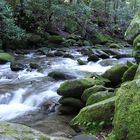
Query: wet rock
point(75, 88)
point(81, 62)
point(59, 53)
point(34, 65)
point(115, 74)
point(68, 56)
point(93, 58)
point(85, 137)
point(57, 75)
point(50, 54)
point(86, 51)
point(5, 57)
point(101, 54)
point(109, 62)
point(16, 66)
point(12, 131)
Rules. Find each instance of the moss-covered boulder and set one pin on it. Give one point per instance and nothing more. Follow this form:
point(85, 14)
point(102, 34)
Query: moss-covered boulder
point(136, 49)
point(55, 39)
point(114, 45)
point(100, 38)
point(69, 101)
point(134, 28)
point(5, 57)
point(115, 74)
point(126, 120)
point(95, 116)
point(75, 88)
point(12, 131)
point(130, 73)
point(88, 92)
point(99, 96)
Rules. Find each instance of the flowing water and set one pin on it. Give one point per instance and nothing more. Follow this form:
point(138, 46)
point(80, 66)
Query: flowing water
point(27, 90)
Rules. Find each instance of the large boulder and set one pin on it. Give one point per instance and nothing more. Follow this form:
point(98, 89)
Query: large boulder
point(115, 74)
point(134, 28)
point(5, 57)
point(127, 107)
point(75, 88)
point(93, 116)
point(136, 48)
point(11, 131)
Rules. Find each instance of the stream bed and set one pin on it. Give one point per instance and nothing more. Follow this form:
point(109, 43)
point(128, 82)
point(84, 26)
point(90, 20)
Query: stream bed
point(23, 93)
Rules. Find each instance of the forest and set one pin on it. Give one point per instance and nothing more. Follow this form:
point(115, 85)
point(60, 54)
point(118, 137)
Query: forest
point(69, 69)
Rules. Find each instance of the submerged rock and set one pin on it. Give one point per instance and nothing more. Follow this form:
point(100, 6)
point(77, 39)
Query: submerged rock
point(11, 131)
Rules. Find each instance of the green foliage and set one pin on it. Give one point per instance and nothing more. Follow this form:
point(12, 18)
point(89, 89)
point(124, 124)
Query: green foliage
point(9, 29)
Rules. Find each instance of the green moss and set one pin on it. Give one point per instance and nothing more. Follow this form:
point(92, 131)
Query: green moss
point(136, 50)
point(100, 38)
point(55, 39)
point(113, 45)
point(115, 74)
point(5, 57)
point(126, 120)
point(99, 96)
point(88, 92)
point(21, 132)
point(95, 116)
point(130, 73)
point(75, 88)
point(134, 27)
